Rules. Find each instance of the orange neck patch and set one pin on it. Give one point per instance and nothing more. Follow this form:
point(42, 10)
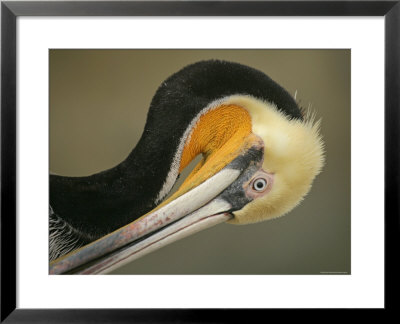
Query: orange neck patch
point(224, 126)
point(220, 135)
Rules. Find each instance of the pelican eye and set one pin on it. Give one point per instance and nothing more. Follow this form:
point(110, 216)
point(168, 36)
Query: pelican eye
point(259, 184)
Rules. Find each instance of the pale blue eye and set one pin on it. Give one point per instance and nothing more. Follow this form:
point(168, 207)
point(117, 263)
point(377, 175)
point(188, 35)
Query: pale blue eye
point(259, 184)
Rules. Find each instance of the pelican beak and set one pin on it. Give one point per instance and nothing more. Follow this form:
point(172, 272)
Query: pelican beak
point(207, 197)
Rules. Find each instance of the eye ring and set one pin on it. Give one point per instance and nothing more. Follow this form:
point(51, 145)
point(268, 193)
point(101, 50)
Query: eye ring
point(260, 184)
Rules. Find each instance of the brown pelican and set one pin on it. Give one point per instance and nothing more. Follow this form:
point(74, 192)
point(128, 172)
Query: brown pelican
point(260, 153)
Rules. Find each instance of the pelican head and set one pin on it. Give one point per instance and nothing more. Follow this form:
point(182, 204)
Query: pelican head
point(293, 156)
point(260, 155)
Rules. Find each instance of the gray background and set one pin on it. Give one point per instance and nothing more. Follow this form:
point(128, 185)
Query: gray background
point(98, 105)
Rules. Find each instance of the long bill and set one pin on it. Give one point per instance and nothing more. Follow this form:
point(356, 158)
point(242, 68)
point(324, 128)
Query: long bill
point(205, 199)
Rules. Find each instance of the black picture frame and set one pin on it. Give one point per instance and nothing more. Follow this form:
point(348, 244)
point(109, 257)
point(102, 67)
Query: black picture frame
point(10, 10)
